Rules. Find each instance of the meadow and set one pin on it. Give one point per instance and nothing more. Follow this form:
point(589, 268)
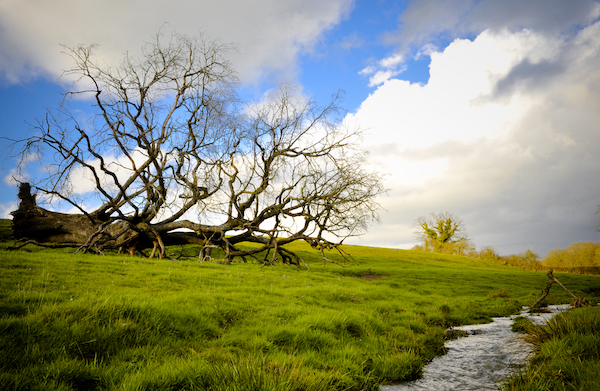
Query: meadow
point(89, 322)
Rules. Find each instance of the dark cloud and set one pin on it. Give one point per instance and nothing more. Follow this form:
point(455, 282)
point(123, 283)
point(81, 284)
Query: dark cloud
point(551, 16)
point(528, 75)
point(425, 20)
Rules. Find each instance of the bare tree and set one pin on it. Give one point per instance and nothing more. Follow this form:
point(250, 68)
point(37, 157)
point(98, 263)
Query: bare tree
point(442, 233)
point(174, 156)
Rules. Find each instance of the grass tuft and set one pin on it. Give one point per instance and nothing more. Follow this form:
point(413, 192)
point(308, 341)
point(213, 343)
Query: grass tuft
point(567, 353)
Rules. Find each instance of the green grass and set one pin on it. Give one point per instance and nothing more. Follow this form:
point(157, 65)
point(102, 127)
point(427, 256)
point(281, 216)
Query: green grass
point(80, 322)
point(567, 354)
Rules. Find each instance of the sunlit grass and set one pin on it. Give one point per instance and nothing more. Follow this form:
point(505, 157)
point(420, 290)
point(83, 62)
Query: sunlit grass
point(112, 322)
point(567, 353)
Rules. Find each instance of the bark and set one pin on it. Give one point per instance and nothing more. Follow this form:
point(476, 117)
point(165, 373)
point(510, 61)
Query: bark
point(30, 222)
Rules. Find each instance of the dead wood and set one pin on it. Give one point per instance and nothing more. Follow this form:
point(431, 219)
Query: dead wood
point(578, 301)
point(36, 224)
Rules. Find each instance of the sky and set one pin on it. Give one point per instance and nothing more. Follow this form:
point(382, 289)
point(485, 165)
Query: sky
point(487, 109)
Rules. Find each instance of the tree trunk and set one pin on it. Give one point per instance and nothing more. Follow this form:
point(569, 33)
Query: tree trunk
point(34, 224)
point(30, 222)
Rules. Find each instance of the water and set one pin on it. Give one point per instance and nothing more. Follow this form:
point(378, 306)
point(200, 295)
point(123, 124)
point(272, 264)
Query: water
point(480, 361)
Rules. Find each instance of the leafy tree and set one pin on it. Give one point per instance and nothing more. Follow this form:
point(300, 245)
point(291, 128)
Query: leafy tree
point(443, 233)
point(173, 155)
point(576, 255)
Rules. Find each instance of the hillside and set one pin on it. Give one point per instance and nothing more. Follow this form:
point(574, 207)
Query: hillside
point(84, 321)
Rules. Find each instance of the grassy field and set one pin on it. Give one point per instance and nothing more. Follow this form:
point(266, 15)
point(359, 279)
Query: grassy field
point(87, 322)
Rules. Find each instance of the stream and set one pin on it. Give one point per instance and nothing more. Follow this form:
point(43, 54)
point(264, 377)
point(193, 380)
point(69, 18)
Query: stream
point(481, 360)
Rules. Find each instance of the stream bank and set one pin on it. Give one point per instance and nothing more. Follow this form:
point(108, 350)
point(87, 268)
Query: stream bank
point(479, 361)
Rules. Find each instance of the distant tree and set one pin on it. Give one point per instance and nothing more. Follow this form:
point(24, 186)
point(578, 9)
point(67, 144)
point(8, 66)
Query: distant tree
point(576, 255)
point(527, 260)
point(173, 155)
point(489, 253)
point(443, 233)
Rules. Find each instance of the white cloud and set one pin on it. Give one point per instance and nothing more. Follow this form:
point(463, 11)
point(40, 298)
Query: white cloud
point(15, 175)
point(381, 77)
point(268, 34)
point(392, 61)
point(426, 24)
point(368, 70)
point(504, 135)
point(6, 208)
point(427, 50)
point(81, 179)
point(9, 179)
point(384, 70)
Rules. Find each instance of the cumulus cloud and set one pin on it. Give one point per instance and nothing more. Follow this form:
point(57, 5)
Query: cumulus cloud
point(426, 23)
point(269, 35)
point(504, 135)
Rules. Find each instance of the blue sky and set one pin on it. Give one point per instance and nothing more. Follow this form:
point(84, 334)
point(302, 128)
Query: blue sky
point(487, 109)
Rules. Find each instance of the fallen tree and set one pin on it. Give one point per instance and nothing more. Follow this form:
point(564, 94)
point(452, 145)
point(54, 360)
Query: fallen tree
point(172, 155)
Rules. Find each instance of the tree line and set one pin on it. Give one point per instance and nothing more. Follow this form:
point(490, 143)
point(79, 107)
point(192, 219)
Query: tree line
point(446, 233)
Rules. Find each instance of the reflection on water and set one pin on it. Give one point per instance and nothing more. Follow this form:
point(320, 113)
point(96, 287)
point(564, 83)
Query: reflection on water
point(479, 361)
